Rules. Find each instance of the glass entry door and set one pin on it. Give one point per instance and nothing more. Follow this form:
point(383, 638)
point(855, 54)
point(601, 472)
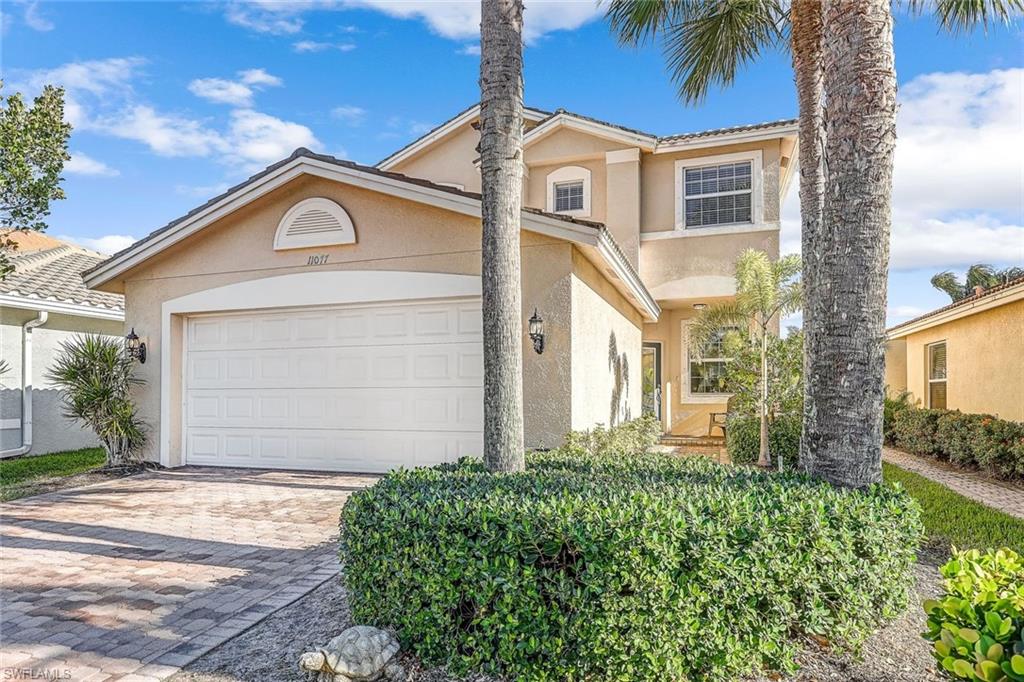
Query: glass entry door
point(650, 367)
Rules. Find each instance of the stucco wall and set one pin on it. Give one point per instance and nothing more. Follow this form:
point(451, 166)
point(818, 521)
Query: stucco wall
point(449, 160)
point(51, 431)
point(896, 366)
point(537, 183)
point(606, 331)
point(392, 234)
point(983, 355)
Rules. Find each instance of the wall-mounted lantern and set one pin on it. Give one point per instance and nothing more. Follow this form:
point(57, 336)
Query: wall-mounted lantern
point(136, 349)
point(699, 306)
point(537, 332)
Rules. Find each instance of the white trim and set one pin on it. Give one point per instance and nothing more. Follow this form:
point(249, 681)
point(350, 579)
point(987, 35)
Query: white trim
point(26, 386)
point(928, 372)
point(602, 130)
point(344, 233)
point(567, 174)
point(7, 424)
point(708, 231)
point(61, 307)
point(685, 396)
point(304, 289)
point(720, 139)
point(443, 131)
point(622, 155)
point(1009, 295)
point(756, 186)
point(453, 185)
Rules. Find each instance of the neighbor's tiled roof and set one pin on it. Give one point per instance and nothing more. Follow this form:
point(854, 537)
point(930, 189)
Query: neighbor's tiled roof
point(728, 131)
point(55, 274)
point(973, 298)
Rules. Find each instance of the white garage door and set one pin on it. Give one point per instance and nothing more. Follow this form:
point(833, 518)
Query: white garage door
point(357, 388)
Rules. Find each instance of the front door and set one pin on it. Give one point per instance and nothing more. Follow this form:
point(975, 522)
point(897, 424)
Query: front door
point(650, 367)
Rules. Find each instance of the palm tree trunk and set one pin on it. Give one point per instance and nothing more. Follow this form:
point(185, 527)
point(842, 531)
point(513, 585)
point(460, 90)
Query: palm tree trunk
point(501, 169)
point(763, 459)
point(846, 359)
point(805, 39)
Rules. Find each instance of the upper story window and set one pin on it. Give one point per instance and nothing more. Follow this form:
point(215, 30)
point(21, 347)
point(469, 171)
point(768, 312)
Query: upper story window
point(718, 191)
point(569, 196)
point(568, 191)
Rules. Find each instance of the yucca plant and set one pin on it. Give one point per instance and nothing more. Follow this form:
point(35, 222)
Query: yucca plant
point(95, 375)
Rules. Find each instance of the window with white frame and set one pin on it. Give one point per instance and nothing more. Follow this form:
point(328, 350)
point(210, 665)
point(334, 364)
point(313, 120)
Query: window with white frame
point(719, 191)
point(569, 196)
point(706, 367)
point(568, 191)
point(937, 374)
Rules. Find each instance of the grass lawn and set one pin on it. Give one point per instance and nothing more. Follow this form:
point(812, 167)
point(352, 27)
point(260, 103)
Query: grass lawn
point(17, 475)
point(952, 519)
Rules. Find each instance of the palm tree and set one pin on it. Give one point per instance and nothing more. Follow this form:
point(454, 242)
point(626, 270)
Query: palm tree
point(706, 44)
point(765, 292)
point(501, 171)
point(978, 275)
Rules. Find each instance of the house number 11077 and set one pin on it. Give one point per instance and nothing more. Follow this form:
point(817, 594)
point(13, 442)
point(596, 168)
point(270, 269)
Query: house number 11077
point(317, 260)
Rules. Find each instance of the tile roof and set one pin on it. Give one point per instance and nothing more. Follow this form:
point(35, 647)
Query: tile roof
point(55, 274)
point(973, 298)
point(730, 130)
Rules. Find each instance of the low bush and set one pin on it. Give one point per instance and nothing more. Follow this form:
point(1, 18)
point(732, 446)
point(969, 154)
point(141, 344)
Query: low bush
point(743, 439)
point(602, 566)
point(970, 440)
point(630, 439)
point(977, 625)
point(892, 406)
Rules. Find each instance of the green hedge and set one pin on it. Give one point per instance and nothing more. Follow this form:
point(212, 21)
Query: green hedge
point(609, 567)
point(743, 439)
point(977, 625)
point(970, 440)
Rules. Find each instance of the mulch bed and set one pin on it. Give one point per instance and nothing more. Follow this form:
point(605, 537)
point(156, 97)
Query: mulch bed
point(270, 650)
point(38, 486)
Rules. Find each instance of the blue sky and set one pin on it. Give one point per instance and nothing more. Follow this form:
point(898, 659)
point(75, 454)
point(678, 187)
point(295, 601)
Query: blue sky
point(174, 102)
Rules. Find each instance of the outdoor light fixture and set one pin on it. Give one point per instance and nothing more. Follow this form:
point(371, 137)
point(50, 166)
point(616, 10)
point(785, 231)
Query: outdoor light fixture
point(700, 306)
point(537, 332)
point(136, 349)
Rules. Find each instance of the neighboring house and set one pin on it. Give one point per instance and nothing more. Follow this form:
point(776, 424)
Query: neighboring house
point(42, 304)
point(326, 315)
point(967, 356)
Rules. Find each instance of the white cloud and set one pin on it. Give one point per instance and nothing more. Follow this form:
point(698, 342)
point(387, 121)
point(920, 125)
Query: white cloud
point(164, 134)
point(260, 139)
point(203, 191)
point(36, 21)
point(455, 19)
point(222, 91)
point(314, 46)
point(107, 82)
point(470, 50)
point(349, 113)
point(81, 164)
point(957, 197)
point(107, 244)
point(259, 78)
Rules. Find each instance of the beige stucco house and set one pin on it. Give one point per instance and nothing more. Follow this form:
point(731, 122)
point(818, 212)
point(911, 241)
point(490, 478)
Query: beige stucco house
point(967, 356)
point(326, 315)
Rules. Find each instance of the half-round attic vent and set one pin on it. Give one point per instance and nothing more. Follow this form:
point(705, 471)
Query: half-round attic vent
point(314, 222)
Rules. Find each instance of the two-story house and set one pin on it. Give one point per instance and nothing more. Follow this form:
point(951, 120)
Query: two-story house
point(326, 315)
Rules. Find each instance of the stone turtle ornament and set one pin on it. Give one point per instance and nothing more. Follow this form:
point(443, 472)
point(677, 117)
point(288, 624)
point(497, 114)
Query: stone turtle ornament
point(359, 654)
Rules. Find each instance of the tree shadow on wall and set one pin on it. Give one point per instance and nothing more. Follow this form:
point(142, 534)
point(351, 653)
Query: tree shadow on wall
point(618, 365)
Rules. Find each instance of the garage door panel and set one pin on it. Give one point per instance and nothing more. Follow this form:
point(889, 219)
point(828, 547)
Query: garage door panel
point(330, 450)
point(358, 388)
point(389, 325)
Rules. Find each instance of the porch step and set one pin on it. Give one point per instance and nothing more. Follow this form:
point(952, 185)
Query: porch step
point(692, 441)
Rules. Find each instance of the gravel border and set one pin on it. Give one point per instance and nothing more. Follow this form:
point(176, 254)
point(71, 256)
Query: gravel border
point(270, 649)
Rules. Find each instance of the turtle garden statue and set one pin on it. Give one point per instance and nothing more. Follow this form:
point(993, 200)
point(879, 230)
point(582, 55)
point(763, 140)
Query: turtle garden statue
point(359, 654)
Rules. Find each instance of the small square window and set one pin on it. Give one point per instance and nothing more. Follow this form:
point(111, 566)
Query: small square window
point(569, 196)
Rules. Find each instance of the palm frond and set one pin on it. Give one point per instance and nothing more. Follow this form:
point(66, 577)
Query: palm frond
point(635, 22)
point(980, 275)
point(713, 320)
point(962, 16)
point(947, 282)
point(717, 39)
point(1009, 274)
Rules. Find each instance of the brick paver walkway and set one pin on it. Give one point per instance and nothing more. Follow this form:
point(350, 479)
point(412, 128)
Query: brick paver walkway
point(1002, 496)
point(132, 579)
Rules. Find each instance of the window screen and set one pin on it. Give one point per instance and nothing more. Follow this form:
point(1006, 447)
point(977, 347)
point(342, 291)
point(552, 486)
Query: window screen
point(718, 195)
point(937, 375)
point(569, 196)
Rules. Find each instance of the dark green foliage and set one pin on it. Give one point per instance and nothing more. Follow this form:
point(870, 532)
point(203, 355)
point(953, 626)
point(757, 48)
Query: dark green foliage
point(630, 439)
point(977, 625)
point(982, 441)
point(894, 405)
point(743, 436)
point(609, 567)
point(951, 519)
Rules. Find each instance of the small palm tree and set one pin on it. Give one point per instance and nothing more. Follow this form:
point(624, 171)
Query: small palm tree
point(765, 292)
point(95, 375)
point(978, 275)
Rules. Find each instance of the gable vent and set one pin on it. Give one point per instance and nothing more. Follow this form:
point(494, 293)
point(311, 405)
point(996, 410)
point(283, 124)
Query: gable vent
point(314, 222)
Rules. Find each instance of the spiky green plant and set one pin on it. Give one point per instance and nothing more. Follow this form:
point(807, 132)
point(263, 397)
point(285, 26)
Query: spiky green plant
point(96, 375)
point(765, 292)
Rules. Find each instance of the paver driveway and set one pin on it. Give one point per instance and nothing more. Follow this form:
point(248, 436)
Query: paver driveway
point(133, 578)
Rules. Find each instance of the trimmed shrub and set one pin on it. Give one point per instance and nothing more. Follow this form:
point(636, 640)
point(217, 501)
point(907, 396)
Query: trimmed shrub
point(629, 439)
point(998, 446)
point(891, 407)
point(743, 439)
point(643, 567)
point(968, 440)
point(917, 431)
point(955, 436)
point(977, 625)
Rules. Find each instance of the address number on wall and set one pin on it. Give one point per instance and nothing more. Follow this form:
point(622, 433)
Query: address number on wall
point(320, 259)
